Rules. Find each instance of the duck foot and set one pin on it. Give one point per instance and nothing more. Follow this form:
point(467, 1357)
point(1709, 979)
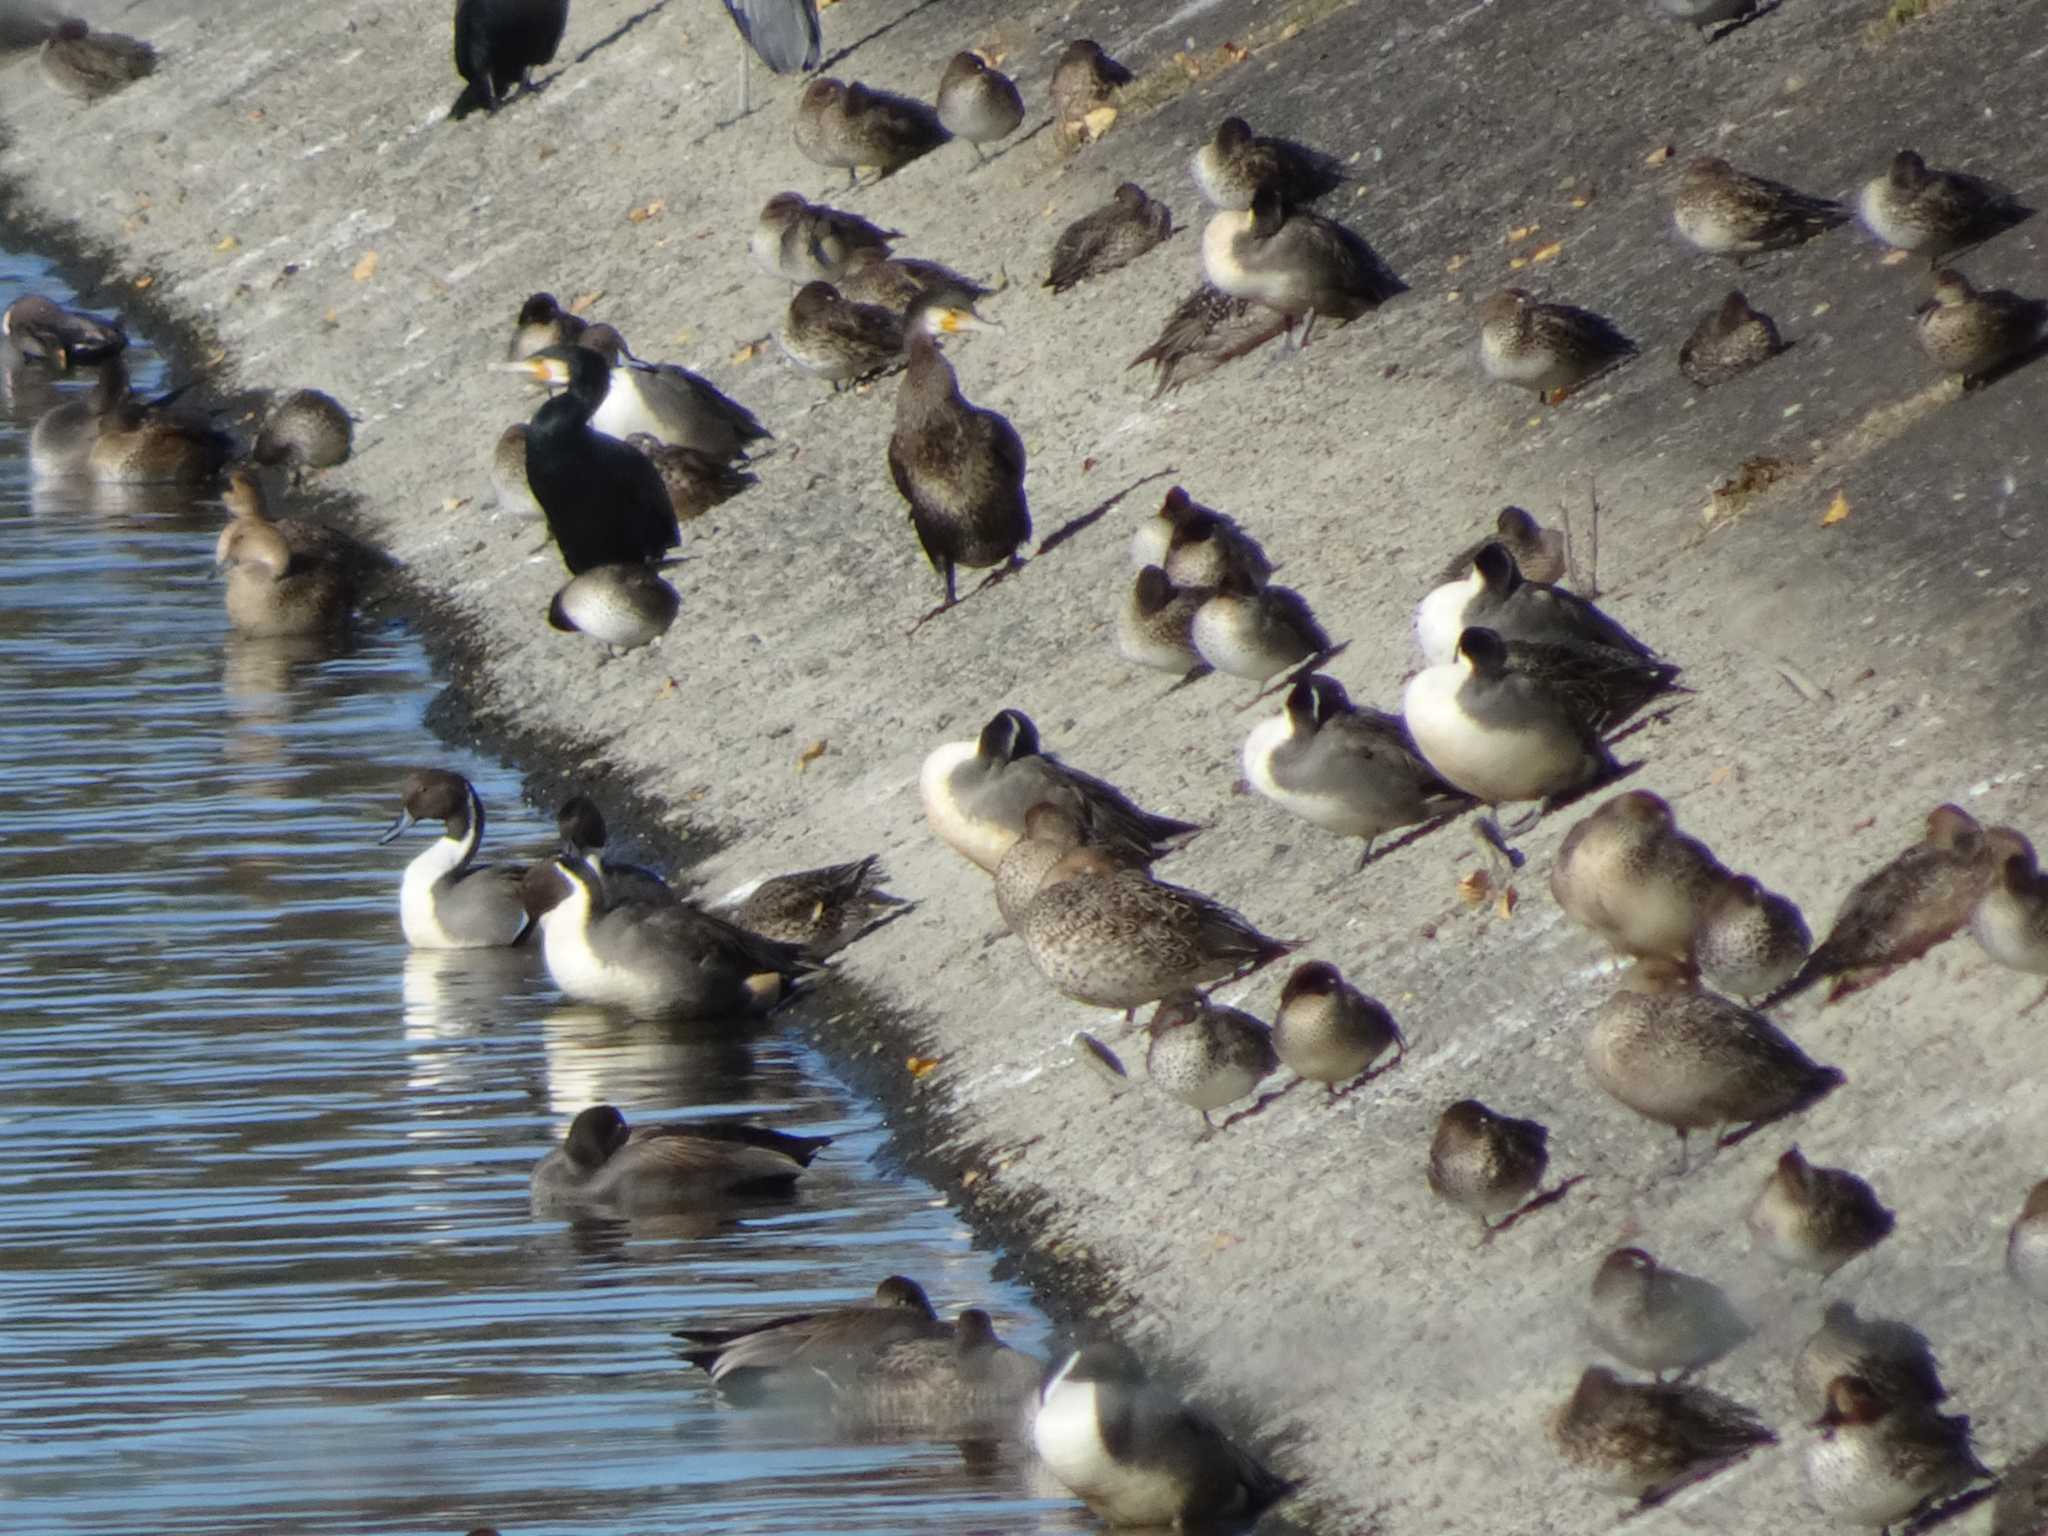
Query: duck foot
point(1534, 1203)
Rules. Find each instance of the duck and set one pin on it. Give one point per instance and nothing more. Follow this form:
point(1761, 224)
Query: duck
point(667, 401)
point(1217, 543)
point(976, 795)
point(1495, 594)
point(961, 469)
point(508, 473)
point(1294, 262)
point(498, 45)
point(1155, 626)
point(809, 242)
point(1816, 1219)
point(1348, 769)
point(273, 592)
point(89, 66)
point(1749, 941)
point(1108, 935)
point(822, 910)
point(978, 102)
point(1658, 1319)
point(2026, 1245)
point(1327, 1031)
point(604, 502)
point(624, 605)
point(543, 323)
point(2010, 920)
point(1235, 163)
point(1254, 631)
point(244, 497)
point(307, 429)
point(796, 1355)
point(1049, 835)
point(445, 902)
point(971, 1386)
point(696, 481)
point(44, 331)
point(1729, 340)
point(1912, 207)
point(851, 127)
point(60, 443)
point(1487, 1163)
point(1539, 552)
point(833, 338)
point(1136, 1454)
point(1626, 873)
point(584, 836)
point(1921, 898)
point(156, 443)
point(1649, 1439)
point(1206, 1055)
point(897, 282)
point(1109, 237)
point(1892, 1356)
point(1684, 1057)
point(1972, 332)
point(1726, 212)
point(1878, 1460)
point(604, 1163)
point(1207, 329)
point(1085, 85)
point(672, 961)
point(1550, 348)
point(1704, 15)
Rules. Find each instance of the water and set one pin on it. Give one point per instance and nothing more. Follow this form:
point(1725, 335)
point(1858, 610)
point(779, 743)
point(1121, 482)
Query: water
point(265, 1255)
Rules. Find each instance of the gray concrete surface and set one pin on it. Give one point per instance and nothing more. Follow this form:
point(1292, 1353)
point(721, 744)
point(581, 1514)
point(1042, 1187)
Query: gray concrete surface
point(1296, 1266)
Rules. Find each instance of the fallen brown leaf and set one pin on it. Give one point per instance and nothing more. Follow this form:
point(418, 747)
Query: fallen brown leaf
point(1457, 261)
point(227, 243)
point(922, 1066)
point(1838, 509)
point(1097, 122)
point(365, 267)
point(647, 211)
point(580, 305)
point(1522, 232)
point(747, 353)
point(1474, 887)
point(810, 755)
point(1658, 155)
point(143, 281)
point(1545, 253)
point(1506, 905)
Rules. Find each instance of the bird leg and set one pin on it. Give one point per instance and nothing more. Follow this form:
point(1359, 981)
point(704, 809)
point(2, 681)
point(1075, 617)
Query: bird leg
point(1684, 1162)
point(2037, 1002)
point(1533, 1203)
point(1261, 1102)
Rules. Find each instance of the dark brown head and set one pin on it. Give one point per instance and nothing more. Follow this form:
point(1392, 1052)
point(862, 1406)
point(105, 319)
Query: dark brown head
point(540, 309)
point(822, 96)
point(962, 68)
point(434, 794)
point(605, 341)
point(1909, 171)
point(974, 1330)
point(595, 1135)
point(72, 31)
point(1269, 211)
point(1641, 808)
point(1953, 828)
point(1485, 650)
point(812, 301)
point(1153, 590)
point(783, 208)
point(1318, 978)
point(1734, 313)
point(1623, 1269)
point(1497, 569)
point(1232, 134)
point(1009, 735)
point(1505, 307)
point(1174, 1013)
point(904, 1294)
point(581, 826)
point(2036, 1208)
point(1513, 523)
point(1132, 196)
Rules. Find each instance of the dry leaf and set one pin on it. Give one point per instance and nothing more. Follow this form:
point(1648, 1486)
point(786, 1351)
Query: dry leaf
point(1291, 31)
point(1474, 887)
point(365, 268)
point(970, 1178)
point(454, 503)
point(227, 243)
point(1893, 258)
point(1190, 66)
point(1516, 263)
point(810, 755)
point(1097, 122)
point(1236, 53)
point(647, 211)
point(580, 305)
point(1837, 510)
point(1583, 199)
point(922, 1066)
point(1226, 1240)
point(142, 282)
point(1458, 260)
point(545, 152)
point(747, 353)
point(1722, 774)
point(1087, 464)
point(1545, 253)
point(1522, 232)
point(216, 357)
point(1658, 155)
point(1506, 905)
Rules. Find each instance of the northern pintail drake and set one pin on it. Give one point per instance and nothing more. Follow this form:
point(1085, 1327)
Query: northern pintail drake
point(1877, 1460)
point(306, 429)
point(624, 606)
point(1085, 84)
point(44, 331)
point(274, 590)
point(978, 102)
point(1109, 237)
point(1251, 630)
point(1649, 1439)
point(1198, 543)
point(1550, 348)
point(673, 961)
point(498, 45)
point(1487, 1163)
point(823, 910)
point(1539, 552)
point(668, 401)
point(60, 443)
point(1327, 1031)
point(852, 127)
point(1235, 163)
point(581, 827)
point(1973, 331)
point(1206, 1055)
point(976, 794)
point(1892, 1356)
point(604, 502)
point(960, 467)
point(1922, 898)
point(1112, 937)
point(696, 481)
point(1207, 329)
point(1630, 876)
point(796, 1356)
point(971, 1386)
point(88, 65)
point(1705, 14)
point(157, 443)
point(444, 902)
point(1728, 340)
point(842, 342)
point(1343, 767)
point(1155, 626)
point(508, 472)
point(543, 323)
point(806, 242)
point(1912, 207)
point(1695, 1061)
point(1496, 595)
point(1816, 1219)
point(606, 1165)
point(1659, 1319)
point(1136, 1454)
point(2026, 1245)
point(1726, 212)
point(1749, 940)
point(897, 282)
point(1294, 262)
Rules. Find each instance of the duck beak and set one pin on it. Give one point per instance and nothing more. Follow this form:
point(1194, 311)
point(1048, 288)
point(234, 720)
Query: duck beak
point(398, 828)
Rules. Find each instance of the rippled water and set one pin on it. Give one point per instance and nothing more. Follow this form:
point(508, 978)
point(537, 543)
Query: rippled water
point(265, 1255)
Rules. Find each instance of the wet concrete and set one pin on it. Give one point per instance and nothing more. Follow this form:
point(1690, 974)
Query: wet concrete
point(1296, 1264)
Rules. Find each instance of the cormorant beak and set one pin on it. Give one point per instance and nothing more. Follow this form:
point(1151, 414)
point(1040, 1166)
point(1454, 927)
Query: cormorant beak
point(550, 371)
point(953, 321)
point(398, 828)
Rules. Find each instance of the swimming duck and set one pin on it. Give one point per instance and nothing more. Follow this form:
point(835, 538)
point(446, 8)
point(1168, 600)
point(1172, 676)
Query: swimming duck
point(1487, 1163)
point(604, 502)
point(89, 65)
point(1155, 626)
point(795, 1355)
point(274, 591)
point(808, 242)
point(1215, 544)
point(1650, 1439)
point(1084, 88)
point(1913, 208)
point(1207, 1055)
point(1049, 835)
point(1249, 630)
point(1726, 212)
point(625, 605)
point(897, 282)
point(1136, 1454)
point(44, 331)
point(978, 102)
point(823, 909)
point(1236, 162)
point(155, 443)
point(543, 323)
point(2026, 1245)
point(444, 903)
point(1207, 329)
point(1971, 331)
point(1816, 1219)
point(696, 481)
point(1627, 873)
point(668, 401)
point(1327, 1031)
point(1749, 940)
point(838, 340)
point(1538, 551)
point(639, 1170)
point(498, 44)
point(1294, 262)
point(961, 468)
point(1877, 1460)
point(852, 127)
point(1550, 348)
point(976, 794)
point(581, 827)
point(1659, 1319)
point(1345, 768)
point(1495, 595)
point(60, 443)
point(673, 960)
point(1690, 1059)
point(971, 1386)
point(1112, 236)
point(1111, 936)
point(245, 500)
point(1921, 898)
point(307, 429)
point(1729, 340)
point(1893, 1357)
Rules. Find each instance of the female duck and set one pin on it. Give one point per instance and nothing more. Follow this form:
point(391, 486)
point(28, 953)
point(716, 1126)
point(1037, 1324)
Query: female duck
point(646, 1169)
point(443, 903)
point(274, 591)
